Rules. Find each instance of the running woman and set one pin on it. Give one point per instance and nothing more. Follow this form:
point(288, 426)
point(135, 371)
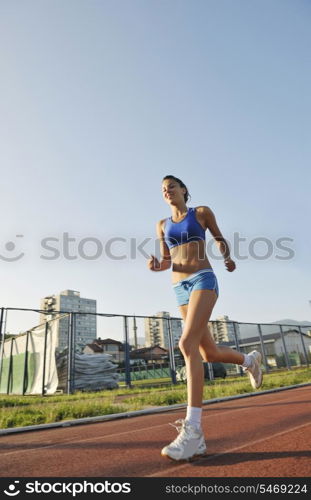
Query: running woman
point(182, 247)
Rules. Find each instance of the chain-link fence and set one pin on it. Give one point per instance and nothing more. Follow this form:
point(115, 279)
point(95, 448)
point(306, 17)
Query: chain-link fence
point(70, 351)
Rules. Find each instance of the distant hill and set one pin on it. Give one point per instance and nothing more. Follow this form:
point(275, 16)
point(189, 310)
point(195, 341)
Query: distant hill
point(292, 322)
point(249, 331)
point(287, 323)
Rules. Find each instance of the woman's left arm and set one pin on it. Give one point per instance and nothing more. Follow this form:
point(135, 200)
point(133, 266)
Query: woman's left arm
point(212, 226)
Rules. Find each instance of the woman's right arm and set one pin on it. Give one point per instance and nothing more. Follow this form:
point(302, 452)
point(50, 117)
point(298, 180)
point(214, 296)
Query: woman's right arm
point(165, 263)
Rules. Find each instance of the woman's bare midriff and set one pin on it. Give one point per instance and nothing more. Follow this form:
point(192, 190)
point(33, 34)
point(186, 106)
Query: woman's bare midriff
point(187, 259)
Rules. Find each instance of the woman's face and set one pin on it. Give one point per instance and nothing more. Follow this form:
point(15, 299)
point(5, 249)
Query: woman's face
point(172, 192)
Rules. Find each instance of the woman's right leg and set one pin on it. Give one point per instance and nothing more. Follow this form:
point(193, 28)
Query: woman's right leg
point(212, 352)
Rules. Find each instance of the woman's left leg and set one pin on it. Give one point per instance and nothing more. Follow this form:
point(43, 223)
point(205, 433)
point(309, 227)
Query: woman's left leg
point(199, 310)
point(190, 441)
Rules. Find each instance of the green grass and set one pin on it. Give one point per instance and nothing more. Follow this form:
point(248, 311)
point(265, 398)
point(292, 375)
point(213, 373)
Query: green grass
point(21, 417)
point(20, 411)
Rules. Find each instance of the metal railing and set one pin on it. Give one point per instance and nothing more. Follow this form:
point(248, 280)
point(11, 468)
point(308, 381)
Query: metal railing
point(282, 347)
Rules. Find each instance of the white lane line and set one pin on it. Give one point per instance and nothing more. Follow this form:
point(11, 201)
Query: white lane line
point(107, 436)
point(76, 441)
point(212, 457)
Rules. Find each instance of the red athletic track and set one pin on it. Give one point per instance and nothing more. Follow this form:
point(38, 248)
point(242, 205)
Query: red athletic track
point(263, 436)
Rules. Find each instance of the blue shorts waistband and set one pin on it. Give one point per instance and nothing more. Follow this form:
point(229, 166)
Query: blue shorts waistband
point(201, 271)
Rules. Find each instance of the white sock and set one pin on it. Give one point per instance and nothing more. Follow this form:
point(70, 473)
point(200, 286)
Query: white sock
point(248, 360)
point(194, 415)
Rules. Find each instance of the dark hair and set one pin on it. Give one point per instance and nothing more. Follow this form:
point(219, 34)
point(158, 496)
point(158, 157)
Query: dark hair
point(187, 194)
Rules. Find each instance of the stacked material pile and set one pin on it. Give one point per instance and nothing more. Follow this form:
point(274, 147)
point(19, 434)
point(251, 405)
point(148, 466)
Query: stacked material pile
point(92, 372)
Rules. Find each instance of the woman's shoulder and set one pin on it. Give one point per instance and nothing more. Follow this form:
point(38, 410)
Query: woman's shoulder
point(202, 209)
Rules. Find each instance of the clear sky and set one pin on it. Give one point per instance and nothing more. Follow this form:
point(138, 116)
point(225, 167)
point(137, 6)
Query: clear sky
point(100, 99)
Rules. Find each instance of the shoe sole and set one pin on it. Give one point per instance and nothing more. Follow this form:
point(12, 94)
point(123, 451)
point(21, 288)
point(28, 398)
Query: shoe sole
point(260, 381)
point(254, 386)
point(253, 383)
point(181, 460)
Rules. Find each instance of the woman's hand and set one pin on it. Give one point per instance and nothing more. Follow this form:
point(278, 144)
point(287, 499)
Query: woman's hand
point(230, 265)
point(154, 264)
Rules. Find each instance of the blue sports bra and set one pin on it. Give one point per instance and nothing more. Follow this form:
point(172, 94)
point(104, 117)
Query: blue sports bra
point(188, 229)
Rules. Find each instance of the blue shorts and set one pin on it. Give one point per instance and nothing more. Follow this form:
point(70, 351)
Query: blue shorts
point(205, 279)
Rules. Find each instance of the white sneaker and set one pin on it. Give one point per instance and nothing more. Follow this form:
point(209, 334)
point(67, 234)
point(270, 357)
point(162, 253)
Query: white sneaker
point(254, 371)
point(189, 442)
